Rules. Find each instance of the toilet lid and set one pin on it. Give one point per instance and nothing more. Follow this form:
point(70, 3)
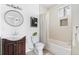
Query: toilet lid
point(39, 44)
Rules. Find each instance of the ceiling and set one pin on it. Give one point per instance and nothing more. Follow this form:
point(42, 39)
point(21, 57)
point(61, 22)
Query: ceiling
point(44, 7)
point(47, 6)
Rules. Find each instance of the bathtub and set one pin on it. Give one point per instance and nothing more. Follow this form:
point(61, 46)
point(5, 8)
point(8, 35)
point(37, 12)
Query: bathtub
point(58, 47)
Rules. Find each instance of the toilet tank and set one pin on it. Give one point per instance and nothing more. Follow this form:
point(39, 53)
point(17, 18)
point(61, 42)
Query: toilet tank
point(35, 39)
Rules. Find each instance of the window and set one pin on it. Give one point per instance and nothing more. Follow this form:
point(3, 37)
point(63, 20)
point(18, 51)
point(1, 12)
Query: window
point(65, 11)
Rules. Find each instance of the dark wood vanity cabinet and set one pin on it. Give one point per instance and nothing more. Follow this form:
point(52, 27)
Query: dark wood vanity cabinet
point(13, 47)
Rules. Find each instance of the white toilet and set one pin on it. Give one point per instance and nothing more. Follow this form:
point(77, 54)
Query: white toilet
point(38, 46)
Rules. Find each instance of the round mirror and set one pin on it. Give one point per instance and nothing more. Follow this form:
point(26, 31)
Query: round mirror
point(13, 18)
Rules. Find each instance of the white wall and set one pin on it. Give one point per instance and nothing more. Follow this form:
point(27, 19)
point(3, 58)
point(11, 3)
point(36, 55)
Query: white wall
point(25, 29)
point(0, 33)
point(75, 22)
point(57, 32)
point(0, 22)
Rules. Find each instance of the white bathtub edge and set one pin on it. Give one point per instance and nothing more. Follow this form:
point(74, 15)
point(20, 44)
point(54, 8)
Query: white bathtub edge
point(58, 50)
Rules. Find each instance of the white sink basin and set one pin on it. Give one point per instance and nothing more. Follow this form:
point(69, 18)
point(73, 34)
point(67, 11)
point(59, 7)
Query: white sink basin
point(13, 38)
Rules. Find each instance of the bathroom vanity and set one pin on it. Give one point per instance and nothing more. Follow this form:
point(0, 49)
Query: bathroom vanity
point(13, 47)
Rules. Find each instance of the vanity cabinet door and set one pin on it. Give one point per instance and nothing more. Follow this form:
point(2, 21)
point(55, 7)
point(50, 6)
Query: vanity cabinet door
point(10, 49)
point(13, 47)
point(20, 47)
point(7, 47)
